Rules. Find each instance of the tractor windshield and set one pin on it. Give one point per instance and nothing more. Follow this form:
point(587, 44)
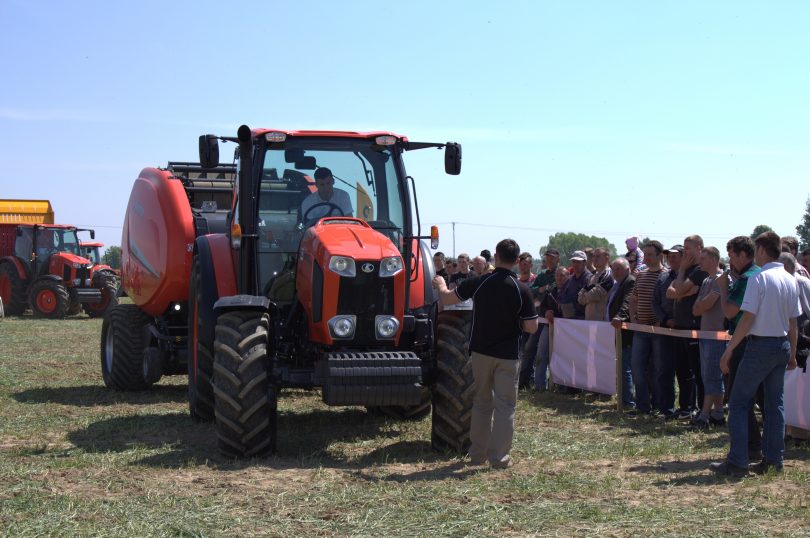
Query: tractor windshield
point(364, 184)
point(50, 240)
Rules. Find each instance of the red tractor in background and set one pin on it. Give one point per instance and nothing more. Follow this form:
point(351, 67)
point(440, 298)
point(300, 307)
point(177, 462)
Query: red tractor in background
point(41, 267)
point(91, 251)
point(235, 276)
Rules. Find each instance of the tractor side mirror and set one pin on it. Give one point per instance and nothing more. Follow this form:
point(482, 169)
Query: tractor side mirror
point(306, 163)
point(452, 158)
point(92, 234)
point(209, 151)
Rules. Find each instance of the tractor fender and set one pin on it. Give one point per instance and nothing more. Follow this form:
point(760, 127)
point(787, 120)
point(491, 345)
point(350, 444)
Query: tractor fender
point(47, 277)
point(243, 302)
point(17, 265)
point(221, 256)
point(207, 286)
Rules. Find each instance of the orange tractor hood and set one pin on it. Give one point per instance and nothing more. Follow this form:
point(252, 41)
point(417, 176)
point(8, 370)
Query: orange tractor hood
point(351, 237)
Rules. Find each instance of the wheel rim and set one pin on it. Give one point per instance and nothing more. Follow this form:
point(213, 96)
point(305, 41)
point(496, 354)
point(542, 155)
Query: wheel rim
point(46, 301)
point(5, 288)
point(108, 349)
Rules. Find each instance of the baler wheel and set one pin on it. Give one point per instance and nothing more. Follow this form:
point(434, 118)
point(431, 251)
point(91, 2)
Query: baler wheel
point(12, 290)
point(245, 398)
point(124, 336)
point(49, 299)
point(201, 353)
point(454, 389)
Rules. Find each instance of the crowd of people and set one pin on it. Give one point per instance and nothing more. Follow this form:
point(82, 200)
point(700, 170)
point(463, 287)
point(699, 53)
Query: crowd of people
point(686, 286)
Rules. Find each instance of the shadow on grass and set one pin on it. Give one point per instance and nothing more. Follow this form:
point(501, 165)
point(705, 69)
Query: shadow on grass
point(304, 440)
point(450, 471)
point(97, 395)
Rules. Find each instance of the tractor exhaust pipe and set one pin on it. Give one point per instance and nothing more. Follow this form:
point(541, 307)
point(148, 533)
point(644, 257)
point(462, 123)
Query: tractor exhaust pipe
point(247, 284)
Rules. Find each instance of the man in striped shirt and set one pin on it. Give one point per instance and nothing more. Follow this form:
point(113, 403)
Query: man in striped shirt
point(644, 344)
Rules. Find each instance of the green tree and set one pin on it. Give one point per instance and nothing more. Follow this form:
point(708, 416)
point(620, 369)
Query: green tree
point(803, 229)
point(761, 229)
point(568, 242)
point(112, 257)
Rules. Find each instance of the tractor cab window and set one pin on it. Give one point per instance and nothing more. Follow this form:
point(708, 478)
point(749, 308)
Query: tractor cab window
point(91, 253)
point(364, 184)
point(66, 240)
point(24, 245)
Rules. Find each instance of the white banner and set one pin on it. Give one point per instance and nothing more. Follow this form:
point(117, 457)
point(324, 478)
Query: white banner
point(584, 355)
point(797, 398)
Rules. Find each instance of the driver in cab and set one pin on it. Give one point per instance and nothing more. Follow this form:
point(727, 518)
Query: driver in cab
point(327, 201)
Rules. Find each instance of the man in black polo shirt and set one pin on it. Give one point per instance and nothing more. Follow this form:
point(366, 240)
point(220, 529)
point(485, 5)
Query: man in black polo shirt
point(502, 310)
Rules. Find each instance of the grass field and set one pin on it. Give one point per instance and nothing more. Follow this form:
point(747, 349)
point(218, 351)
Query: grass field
point(77, 459)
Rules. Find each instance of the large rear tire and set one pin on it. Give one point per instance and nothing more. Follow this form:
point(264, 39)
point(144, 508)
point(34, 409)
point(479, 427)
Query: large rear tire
point(49, 299)
point(200, 354)
point(454, 389)
point(124, 336)
point(245, 399)
point(108, 297)
point(12, 290)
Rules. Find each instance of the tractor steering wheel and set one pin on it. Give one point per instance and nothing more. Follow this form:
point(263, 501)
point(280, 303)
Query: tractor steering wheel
point(330, 213)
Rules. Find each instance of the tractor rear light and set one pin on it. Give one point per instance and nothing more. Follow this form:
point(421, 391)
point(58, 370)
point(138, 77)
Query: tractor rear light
point(342, 327)
point(275, 136)
point(385, 140)
point(342, 265)
point(236, 236)
point(434, 237)
point(390, 266)
point(386, 327)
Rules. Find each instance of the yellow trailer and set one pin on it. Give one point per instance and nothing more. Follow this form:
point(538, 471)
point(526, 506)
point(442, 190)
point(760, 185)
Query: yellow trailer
point(26, 212)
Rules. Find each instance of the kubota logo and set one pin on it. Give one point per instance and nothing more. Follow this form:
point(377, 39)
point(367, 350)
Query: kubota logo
point(367, 267)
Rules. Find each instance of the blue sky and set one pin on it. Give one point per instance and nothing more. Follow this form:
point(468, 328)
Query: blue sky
point(660, 119)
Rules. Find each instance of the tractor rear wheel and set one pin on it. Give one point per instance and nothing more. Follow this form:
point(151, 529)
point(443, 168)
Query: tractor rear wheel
point(454, 390)
point(12, 290)
point(49, 299)
point(200, 355)
point(108, 297)
point(124, 337)
point(245, 398)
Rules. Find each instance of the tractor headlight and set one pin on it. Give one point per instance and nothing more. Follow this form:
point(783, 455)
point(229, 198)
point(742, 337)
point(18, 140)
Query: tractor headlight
point(386, 327)
point(77, 265)
point(342, 265)
point(390, 266)
point(342, 327)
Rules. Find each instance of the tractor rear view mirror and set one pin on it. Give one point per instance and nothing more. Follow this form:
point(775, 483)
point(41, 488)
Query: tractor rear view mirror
point(452, 158)
point(306, 163)
point(209, 151)
point(293, 155)
point(92, 234)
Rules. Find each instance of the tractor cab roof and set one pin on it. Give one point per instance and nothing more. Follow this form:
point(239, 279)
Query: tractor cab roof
point(341, 134)
point(48, 226)
point(90, 244)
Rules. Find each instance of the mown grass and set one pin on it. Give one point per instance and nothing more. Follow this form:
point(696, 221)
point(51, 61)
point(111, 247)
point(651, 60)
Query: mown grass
point(77, 459)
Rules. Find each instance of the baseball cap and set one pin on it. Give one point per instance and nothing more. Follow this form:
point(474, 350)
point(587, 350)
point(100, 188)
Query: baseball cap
point(674, 248)
point(578, 255)
point(552, 252)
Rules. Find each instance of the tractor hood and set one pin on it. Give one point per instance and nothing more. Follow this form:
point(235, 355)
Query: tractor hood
point(351, 237)
point(70, 258)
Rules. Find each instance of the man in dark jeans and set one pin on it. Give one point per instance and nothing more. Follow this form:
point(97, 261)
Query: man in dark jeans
point(664, 349)
point(502, 308)
point(770, 308)
point(684, 291)
point(741, 258)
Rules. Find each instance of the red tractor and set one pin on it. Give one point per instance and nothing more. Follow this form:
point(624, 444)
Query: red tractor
point(41, 267)
point(91, 251)
point(257, 276)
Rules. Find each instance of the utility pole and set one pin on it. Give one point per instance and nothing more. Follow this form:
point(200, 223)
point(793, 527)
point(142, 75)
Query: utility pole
point(454, 238)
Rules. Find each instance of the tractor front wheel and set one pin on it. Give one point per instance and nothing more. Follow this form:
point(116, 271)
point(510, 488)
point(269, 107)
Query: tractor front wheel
point(49, 299)
point(244, 395)
point(454, 389)
point(108, 298)
point(12, 290)
point(124, 336)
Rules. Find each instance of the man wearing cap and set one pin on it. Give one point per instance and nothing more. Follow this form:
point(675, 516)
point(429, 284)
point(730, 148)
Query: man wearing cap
point(770, 308)
point(663, 349)
point(569, 298)
point(502, 309)
point(327, 201)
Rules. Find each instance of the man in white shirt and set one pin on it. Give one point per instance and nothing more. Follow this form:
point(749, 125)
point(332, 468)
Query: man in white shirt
point(327, 201)
point(770, 308)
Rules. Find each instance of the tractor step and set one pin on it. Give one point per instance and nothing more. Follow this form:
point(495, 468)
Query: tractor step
point(88, 295)
point(370, 378)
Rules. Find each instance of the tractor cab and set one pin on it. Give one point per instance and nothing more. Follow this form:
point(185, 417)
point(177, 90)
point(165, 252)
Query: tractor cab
point(91, 251)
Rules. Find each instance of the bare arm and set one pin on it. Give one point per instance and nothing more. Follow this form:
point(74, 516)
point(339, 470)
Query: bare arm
point(793, 336)
point(529, 325)
point(447, 296)
point(730, 310)
point(704, 304)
